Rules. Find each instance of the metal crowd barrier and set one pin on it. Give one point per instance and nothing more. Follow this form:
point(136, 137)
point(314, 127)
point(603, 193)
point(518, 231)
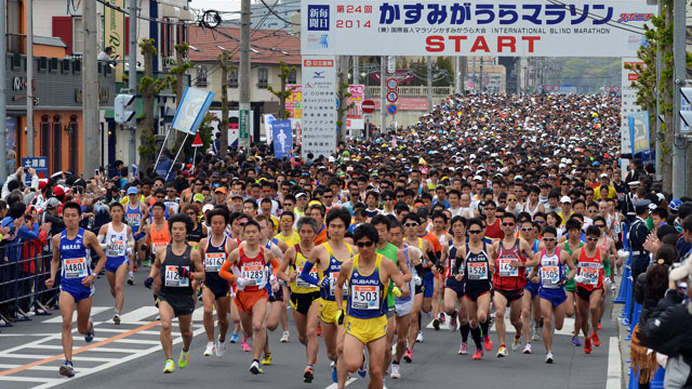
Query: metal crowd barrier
point(22, 285)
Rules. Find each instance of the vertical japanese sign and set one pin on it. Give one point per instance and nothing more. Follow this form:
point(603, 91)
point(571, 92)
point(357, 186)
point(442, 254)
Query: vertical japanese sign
point(244, 128)
point(319, 106)
point(40, 164)
point(628, 100)
point(294, 102)
point(354, 118)
point(114, 34)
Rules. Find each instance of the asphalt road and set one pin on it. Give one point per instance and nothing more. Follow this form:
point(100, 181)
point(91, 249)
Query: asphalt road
point(130, 356)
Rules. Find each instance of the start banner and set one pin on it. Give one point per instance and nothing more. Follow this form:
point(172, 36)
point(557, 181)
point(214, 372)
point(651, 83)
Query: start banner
point(525, 28)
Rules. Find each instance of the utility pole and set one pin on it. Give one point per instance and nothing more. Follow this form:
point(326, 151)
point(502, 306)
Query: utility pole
point(223, 139)
point(90, 85)
point(244, 75)
point(132, 78)
point(457, 74)
point(429, 71)
point(30, 134)
point(680, 74)
point(480, 81)
point(383, 86)
point(658, 134)
point(3, 97)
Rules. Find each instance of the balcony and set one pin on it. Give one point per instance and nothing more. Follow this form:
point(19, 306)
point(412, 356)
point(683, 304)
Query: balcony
point(422, 91)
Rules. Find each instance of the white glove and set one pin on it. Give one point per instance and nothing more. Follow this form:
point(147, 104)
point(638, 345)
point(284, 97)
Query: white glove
point(128, 251)
point(607, 283)
point(273, 280)
point(417, 280)
point(242, 282)
point(579, 279)
point(623, 254)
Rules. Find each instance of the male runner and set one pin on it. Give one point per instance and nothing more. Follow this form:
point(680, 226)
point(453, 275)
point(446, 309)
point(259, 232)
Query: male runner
point(529, 301)
point(176, 266)
point(590, 261)
point(118, 243)
point(454, 290)
point(368, 276)
point(76, 279)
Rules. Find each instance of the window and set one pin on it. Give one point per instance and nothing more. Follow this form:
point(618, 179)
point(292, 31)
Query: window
point(77, 35)
point(262, 77)
point(233, 78)
point(291, 79)
point(14, 40)
point(201, 76)
point(57, 140)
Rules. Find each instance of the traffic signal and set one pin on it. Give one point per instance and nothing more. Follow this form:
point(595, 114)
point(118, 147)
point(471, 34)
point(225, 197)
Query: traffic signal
point(124, 108)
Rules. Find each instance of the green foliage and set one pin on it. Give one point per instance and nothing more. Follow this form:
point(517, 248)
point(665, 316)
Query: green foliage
point(343, 94)
point(283, 93)
point(444, 70)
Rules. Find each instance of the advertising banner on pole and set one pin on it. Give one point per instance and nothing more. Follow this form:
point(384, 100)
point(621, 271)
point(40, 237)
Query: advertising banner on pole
point(628, 95)
point(283, 139)
point(319, 106)
point(354, 117)
point(294, 102)
point(114, 34)
point(640, 137)
point(191, 110)
point(589, 28)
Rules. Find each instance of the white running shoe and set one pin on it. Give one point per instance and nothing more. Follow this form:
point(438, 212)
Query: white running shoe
point(220, 348)
point(527, 349)
point(395, 374)
point(549, 358)
point(536, 331)
point(285, 337)
point(419, 338)
point(463, 349)
point(209, 351)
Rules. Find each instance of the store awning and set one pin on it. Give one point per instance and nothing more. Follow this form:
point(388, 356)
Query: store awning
point(172, 12)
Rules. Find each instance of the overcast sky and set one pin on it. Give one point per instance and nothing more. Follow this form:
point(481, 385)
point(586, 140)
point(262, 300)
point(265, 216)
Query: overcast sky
point(219, 5)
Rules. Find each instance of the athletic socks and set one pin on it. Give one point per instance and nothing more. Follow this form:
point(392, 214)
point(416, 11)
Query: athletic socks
point(419, 321)
point(484, 328)
point(464, 330)
point(476, 335)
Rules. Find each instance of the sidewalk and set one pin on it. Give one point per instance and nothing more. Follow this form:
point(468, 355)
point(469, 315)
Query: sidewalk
point(624, 345)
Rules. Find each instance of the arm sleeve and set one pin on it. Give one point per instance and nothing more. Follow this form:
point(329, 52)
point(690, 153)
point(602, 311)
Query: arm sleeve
point(419, 268)
point(305, 274)
point(225, 272)
point(276, 265)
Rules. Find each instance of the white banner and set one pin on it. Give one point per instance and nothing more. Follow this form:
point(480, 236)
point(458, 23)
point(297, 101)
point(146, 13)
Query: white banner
point(628, 101)
point(589, 28)
point(319, 106)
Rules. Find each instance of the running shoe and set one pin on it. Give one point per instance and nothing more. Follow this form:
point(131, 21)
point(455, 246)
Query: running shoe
point(395, 374)
point(408, 355)
point(599, 326)
point(255, 368)
point(209, 351)
point(334, 376)
point(442, 317)
point(220, 348)
point(436, 324)
point(419, 338)
point(89, 335)
point(116, 319)
point(169, 367)
point(502, 352)
point(184, 359)
point(285, 337)
point(234, 338)
point(308, 375)
point(587, 346)
point(576, 342)
point(363, 369)
point(516, 343)
point(596, 341)
point(267, 360)
point(487, 343)
point(549, 358)
point(452, 323)
point(67, 369)
point(536, 337)
point(478, 355)
point(527, 349)
point(463, 349)
point(130, 278)
point(246, 346)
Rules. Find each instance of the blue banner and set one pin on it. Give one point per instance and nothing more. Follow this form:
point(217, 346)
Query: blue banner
point(639, 131)
point(282, 137)
point(40, 164)
point(191, 110)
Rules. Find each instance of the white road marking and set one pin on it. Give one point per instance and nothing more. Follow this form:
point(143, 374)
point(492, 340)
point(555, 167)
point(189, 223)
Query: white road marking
point(614, 365)
point(138, 314)
point(51, 381)
point(57, 319)
point(567, 327)
point(335, 386)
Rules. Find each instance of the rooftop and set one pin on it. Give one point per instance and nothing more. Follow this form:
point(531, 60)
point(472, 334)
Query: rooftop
point(267, 46)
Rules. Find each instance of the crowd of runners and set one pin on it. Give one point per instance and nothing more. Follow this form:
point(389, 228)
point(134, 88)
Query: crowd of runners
point(493, 210)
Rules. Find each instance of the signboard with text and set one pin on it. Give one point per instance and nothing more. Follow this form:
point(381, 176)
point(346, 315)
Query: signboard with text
point(114, 33)
point(319, 108)
point(476, 27)
point(628, 100)
point(294, 102)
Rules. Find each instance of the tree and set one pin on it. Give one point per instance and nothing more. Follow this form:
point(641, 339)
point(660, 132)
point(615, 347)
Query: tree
point(283, 93)
point(149, 88)
point(224, 62)
point(342, 94)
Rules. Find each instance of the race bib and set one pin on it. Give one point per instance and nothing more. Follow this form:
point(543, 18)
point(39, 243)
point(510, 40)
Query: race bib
point(171, 278)
point(156, 246)
point(133, 220)
point(477, 271)
point(75, 268)
point(590, 275)
point(116, 249)
point(366, 297)
point(550, 275)
point(506, 269)
point(255, 273)
point(302, 283)
point(332, 284)
point(213, 262)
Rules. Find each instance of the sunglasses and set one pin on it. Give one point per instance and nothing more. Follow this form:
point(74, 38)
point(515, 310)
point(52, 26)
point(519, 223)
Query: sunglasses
point(474, 232)
point(512, 200)
point(592, 239)
point(387, 199)
point(242, 224)
point(540, 221)
point(549, 239)
point(410, 224)
point(328, 197)
point(527, 229)
point(599, 225)
point(365, 244)
point(399, 197)
point(507, 224)
point(286, 221)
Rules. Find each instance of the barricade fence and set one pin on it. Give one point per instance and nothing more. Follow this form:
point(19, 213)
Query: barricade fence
point(23, 291)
